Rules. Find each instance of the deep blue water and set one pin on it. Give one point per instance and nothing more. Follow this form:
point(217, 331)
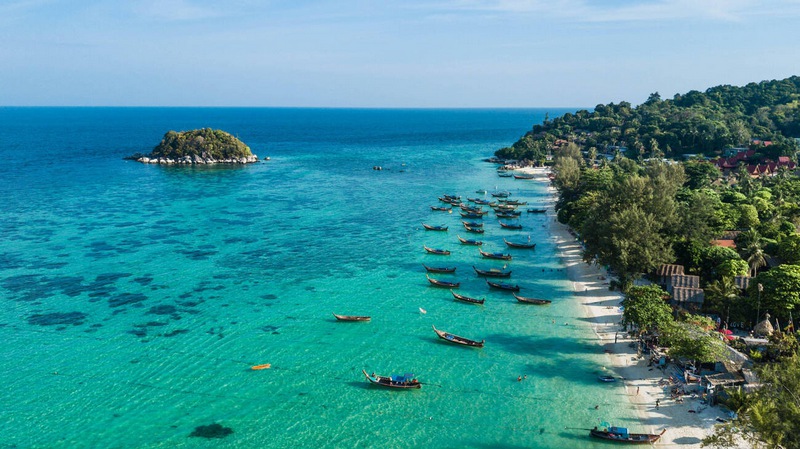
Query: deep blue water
point(136, 297)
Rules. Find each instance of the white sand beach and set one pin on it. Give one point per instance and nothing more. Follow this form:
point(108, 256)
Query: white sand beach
point(688, 422)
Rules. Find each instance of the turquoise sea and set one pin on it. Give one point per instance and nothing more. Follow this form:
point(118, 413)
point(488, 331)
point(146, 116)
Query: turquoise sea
point(136, 298)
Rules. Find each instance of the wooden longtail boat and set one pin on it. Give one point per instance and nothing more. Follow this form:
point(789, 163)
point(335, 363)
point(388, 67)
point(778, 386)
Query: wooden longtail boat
point(537, 211)
point(499, 256)
point(503, 286)
point(482, 202)
point(525, 300)
point(505, 216)
point(470, 241)
point(512, 213)
point(492, 272)
point(404, 381)
point(472, 224)
point(501, 194)
point(474, 230)
point(434, 228)
point(621, 435)
point(352, 317)
point(442, 208)
point(470, 215)
point(510, 226)
point(260, 367)
point(524, 177)
point(441, 252)
point(439, 269)
point(520, 245)
point(467, 298)
point(444, 284)
point(504, 175)
point(515, 202)
point(606, 378)
point(446, 336)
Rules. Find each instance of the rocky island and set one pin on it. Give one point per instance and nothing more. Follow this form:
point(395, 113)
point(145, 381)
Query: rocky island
point(199, 146)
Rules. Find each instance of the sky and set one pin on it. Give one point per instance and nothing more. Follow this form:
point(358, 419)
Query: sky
point(384, 53)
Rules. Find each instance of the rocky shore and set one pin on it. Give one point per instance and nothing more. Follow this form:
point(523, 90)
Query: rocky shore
point(194, 159)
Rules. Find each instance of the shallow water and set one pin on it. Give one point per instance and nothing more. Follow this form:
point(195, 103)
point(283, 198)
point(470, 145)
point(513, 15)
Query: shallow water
point(136, 298)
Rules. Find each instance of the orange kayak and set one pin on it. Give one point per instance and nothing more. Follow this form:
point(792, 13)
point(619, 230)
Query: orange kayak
point(258, 367)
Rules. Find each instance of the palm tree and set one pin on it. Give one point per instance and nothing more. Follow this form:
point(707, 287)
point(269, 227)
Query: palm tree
point(722, 294)
point(756, 257)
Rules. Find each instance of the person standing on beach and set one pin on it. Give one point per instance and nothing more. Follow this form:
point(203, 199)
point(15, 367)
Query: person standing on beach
point(657, 401)
point(637, 392)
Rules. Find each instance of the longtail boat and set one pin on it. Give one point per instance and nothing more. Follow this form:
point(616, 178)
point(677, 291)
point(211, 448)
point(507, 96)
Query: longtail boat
point(500, 256)
point(442, 208)
point(515, 202)
point(470, 215)
point(439, 269)
point(520, 245)
point(621, 435)
point(510, 226)
point(472, 224)
point(525, 300)
point(501, 194)
point(446, 336)
point(537, 211)
point(503, 286)
point(260, 367)
point(474, 230)
point(467, 298)
point(492, 272)
point(445, 284)
point(505, 216)
point(352, 317)
point(434, 228)
point(441, 252)
point(524, 176)
point(404, 381)
point(469, 241)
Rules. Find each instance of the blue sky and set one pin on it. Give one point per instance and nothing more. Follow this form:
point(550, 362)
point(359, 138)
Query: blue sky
point(362, 53)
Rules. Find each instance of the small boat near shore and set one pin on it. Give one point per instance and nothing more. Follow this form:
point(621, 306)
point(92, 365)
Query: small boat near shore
point(471, 215)
point(260, 367)
point(440, 252)
point(492, 272)
point(439, 269)
point(434, 228)
point(501, 194)
point(452, 338)
point(442, 208)
point(352, 317)
point(621, 435)
point(472, 224)
point(469, 241)
point(520, 245)
point(404, 381)
point(467, 298)
point(524, 176)
point(444, 284)
point(537, 301)
point(606, 378)
point(503, 286)
point(499, 256)
point(537, 211)
point(510, 226)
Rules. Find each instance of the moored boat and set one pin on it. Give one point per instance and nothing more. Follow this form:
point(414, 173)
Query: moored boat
point(472, 224)
point(537, 211)
point(520, 245)
point(467, 298)
point(469, 241)
point(404, 381)
point(606, 378)
point(442, 208)
point(444, 284)
point(470, 215)
point(260, 367)
point(441, 252)
point(499, 256)
point(503, 286)
point(621, 435)
point(439, 269)
point(474, 230)
point(501, 194)
point(452, 338)
point(492, 272)
point(525, 300)
point(524, 177)
point(352, 317)
point(434, 228)
point(510, 225)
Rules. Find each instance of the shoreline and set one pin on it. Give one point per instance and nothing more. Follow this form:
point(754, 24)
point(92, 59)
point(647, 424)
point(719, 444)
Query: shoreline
point(687, 423)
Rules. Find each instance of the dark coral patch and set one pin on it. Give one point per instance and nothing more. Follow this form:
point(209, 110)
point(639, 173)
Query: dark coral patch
point(57, 319)
point(176, 332)
point(211, 431)
point(144, 280)
point(162, 310)
point(125, 299)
